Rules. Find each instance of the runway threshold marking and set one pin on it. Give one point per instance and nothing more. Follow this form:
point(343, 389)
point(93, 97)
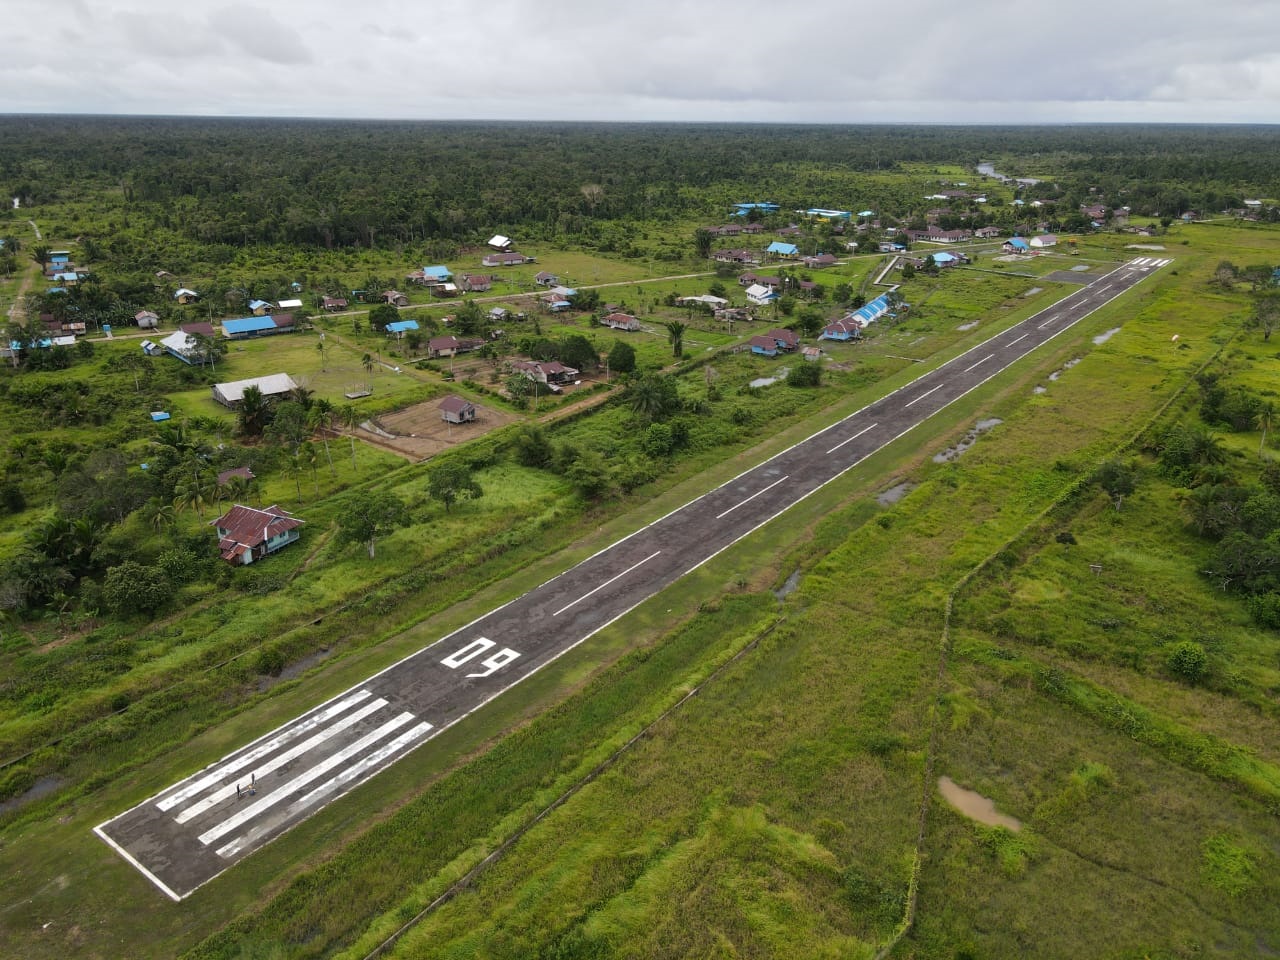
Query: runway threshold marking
point(720, 516)
point(606, 583)
point(301, 780)
point(269, 746)
point(275, 763)
point(853, 438)
point(979, 363)
point(923, 395)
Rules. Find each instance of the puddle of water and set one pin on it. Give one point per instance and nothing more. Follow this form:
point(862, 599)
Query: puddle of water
point(1065, 367)
point(1080, 268)
point(891, 496)
point(967, 326)
point(975, 806)
point(1039, 389)
point(970, 438)
point(769, 381)
point(1144, 246)
point(789, 586)
point(1104, 337)
point(1033, 291)
point(42, 787)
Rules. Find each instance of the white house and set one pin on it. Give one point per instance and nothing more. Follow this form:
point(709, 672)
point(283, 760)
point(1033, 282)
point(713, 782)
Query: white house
point(760, 295)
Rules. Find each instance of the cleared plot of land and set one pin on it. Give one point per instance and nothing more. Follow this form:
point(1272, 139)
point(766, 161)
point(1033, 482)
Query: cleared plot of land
point(419, 431)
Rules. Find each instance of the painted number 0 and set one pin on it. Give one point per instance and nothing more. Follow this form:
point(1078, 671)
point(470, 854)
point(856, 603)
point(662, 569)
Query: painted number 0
point(474, 649)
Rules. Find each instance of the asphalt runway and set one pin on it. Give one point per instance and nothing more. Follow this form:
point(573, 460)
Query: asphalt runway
point(192, 831)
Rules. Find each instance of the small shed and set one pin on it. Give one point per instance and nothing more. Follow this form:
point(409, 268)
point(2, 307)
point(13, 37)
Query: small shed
point(455, 409)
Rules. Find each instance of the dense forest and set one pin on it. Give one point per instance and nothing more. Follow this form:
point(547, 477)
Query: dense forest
point(345, 184)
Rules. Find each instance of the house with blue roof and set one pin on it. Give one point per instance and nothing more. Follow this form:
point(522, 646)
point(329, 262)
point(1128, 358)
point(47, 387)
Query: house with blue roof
point(1016, 245)
point(399, 327)
point(821, 213)
point(944, 259)
point(780, 249)
point(257, 326)
point(68, 278)
point(439, 272)
point(850, 326)
point(742, 209)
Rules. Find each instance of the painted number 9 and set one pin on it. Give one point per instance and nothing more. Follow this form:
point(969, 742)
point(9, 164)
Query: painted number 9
point(475, 648)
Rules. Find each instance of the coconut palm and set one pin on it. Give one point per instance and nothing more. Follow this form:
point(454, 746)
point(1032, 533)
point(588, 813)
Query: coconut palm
point(369, 365)
point(252, 413)
point(320, 420)
point(350, 418)
point(1265, 415)
point(675, 336)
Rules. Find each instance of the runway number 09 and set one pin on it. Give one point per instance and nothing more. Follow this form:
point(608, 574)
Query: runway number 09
point(476, 648)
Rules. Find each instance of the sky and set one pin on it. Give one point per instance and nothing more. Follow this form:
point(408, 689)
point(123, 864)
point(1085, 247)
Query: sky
point(822, 61)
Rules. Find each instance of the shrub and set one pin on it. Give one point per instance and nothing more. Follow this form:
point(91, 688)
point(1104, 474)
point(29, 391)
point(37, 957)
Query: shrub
point(1187, 661)
point(805, 375)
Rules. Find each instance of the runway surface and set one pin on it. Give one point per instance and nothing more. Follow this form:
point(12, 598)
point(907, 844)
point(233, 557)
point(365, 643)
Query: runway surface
point(195, 829)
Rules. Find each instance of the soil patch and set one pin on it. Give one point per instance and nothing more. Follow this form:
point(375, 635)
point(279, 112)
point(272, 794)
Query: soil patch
point(975, 806)
point(418, 431)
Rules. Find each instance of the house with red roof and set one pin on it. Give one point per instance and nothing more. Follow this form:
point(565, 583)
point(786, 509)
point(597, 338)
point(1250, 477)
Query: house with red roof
point(246, 534)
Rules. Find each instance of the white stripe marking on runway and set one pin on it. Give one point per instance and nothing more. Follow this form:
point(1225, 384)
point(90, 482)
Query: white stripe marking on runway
point(304, 778)
point(979, 363)
point(925, 394)
point(275, 763)
point(1012, 342)
point(270, 746)
point(853, 438)
point(354, 772)
point(606, 583)
point(749, 499)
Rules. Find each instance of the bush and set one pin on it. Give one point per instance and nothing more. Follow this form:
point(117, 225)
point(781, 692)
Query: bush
point(133, 588)
point(1187, 661)
point(805, 375)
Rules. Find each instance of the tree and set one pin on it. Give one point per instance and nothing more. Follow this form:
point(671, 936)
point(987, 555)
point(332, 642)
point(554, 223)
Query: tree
point(350, 418)
point(1266, 311)
point(622, 357)
point(518, 387)
point(533, 449)
point(131, 588)
point(205, 349)
point(654, 397)
point(450, 481)
point(1265, 416)
point(320, 419)
point(576, 351)
point(368, 518)
point(320, 348)
point(675, 337)
point(369, 365)
point(702, 244)
point(254, 412)
point(382, 315)
point(469, 319)
point(1117, 479)
point(40, 254)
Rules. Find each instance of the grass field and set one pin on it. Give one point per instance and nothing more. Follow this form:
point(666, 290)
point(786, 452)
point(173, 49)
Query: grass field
point(776, 813)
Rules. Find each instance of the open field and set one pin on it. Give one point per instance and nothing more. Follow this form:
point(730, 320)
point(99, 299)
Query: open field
point(966, 603)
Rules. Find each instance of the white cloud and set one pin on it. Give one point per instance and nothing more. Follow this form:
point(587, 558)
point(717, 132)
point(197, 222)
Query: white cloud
point(824, 60)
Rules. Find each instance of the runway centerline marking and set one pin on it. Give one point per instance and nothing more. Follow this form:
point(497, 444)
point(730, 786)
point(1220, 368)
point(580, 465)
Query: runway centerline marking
point(720, 516)
point(979, 363)
point(1012, 342)
point(606, 583)
point(923, 395)
point(853, 438)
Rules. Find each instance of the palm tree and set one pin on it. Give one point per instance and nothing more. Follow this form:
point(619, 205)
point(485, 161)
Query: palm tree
point(252, 414)
point(160, 516)
point(40, 255)
point(1264, 418)
point(350, 418)
point(1206, 446)
point(369, 364)
point(675, 336)
point(320, 420)
point(320, 347)
point(190, 496)
point(308, 455)
point(238, 488)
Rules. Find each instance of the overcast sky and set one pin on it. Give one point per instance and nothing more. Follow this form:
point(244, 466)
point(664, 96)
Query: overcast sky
point(827, 61)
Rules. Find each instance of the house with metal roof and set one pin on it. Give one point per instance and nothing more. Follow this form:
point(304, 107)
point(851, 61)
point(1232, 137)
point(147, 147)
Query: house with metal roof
point(1044, 240)
point(760, 294)
point(764, 346)
point(455, 409)
point(259, 308)
point(275, 385)
point(246, 534)
point(183, 295)
point(256, 326)
point(1015, 245)
point(182, 345)
point(850, 326)
point(780, 249)
point(398, 328)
